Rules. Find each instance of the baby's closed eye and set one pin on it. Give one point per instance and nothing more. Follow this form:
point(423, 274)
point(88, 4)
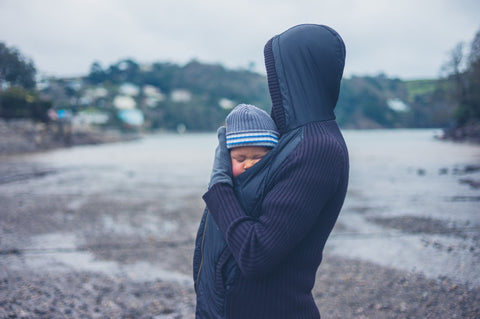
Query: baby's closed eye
point(238, 159)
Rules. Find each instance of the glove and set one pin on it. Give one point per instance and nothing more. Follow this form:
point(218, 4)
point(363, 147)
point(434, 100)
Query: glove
point(222, 164)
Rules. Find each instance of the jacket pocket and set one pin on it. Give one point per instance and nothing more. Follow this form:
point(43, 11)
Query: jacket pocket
point(225, 271)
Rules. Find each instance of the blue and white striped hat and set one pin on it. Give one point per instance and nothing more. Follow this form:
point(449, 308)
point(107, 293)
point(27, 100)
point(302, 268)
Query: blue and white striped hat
point(247, 125)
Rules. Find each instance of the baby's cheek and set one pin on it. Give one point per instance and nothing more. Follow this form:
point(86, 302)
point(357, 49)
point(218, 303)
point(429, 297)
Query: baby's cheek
point(237, 169)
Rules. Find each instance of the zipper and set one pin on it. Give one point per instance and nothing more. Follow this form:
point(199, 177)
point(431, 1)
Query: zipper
point(201, 250)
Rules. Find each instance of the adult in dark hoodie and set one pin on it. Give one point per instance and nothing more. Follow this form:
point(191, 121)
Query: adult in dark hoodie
point(275, 218)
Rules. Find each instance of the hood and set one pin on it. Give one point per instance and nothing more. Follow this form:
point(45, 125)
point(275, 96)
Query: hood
point(304, 69)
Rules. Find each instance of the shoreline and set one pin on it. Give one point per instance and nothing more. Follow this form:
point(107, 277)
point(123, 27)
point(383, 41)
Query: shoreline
point(23, 136)
point(468, 133)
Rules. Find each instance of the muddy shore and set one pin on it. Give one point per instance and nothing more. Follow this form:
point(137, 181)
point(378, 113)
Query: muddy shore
point(19, 136)
point(345, 288)
point(39, 277)
point(70, 248)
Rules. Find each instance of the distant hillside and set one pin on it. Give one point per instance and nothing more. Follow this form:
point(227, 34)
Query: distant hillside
point(198, 96)
point(195, 96)
point(380, 102)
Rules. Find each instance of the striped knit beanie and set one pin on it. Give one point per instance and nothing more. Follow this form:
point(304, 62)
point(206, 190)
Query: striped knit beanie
point(247, 125)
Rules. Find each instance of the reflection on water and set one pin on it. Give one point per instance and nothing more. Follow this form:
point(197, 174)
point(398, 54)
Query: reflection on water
point(399, 178)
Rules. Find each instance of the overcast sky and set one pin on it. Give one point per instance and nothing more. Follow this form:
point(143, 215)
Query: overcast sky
point(403, 38)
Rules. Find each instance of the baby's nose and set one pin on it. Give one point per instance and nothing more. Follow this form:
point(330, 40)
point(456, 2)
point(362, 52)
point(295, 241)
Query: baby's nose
point(248, 164)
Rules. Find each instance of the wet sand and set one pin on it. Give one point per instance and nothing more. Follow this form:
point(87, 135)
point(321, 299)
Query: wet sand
point(103, 241)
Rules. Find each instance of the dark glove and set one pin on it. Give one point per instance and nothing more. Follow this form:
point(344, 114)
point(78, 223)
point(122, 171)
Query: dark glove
point(222, 164)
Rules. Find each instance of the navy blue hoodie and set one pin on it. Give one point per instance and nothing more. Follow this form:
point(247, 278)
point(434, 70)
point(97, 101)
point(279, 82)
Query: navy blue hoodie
point(261, 242)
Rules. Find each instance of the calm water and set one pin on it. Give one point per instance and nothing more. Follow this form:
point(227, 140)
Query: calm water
point(404, 177)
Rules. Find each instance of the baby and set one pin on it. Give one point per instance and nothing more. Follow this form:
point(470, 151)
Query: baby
point(251, 134)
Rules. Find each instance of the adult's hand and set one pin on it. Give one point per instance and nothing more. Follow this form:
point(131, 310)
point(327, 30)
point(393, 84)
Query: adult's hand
point(222, 164)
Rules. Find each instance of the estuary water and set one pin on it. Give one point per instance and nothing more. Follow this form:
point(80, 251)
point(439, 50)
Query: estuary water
point(413, 201)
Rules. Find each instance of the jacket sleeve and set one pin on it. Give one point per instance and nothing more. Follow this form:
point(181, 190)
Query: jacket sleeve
point(289, 210)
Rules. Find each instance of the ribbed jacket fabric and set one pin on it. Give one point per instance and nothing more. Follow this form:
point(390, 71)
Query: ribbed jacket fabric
point(279, 253)
point(279, 248)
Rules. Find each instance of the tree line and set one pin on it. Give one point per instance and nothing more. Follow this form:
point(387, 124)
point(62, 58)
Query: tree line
point(463, 77)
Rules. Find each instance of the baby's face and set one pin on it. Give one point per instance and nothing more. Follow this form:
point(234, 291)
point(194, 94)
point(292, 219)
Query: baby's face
point(245, 157)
